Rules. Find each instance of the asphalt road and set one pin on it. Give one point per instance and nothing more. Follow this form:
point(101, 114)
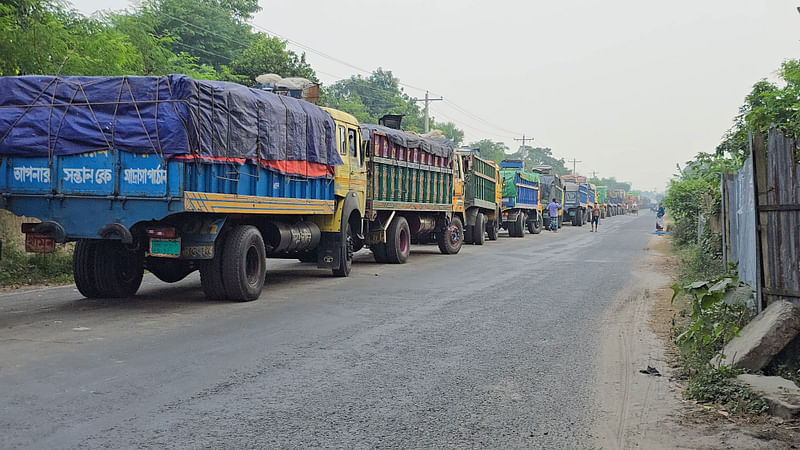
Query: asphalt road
point(493, 347)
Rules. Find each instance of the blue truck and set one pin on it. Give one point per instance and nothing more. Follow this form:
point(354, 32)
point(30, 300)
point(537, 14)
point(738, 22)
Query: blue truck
point(521, 205)
point(575, 203)
point(174, 175)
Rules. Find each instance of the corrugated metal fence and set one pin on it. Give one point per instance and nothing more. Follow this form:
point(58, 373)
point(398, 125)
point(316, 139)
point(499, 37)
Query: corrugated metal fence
point(766, 244)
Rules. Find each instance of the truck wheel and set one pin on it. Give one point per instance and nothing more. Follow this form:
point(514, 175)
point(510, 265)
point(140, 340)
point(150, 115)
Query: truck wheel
point(244, 264)
point(378, 252)
point(398, 241)
point(452, 238)
point(83, 268)
point(169, 270)
point(519, 226)
point(346, 258)
point(492, 230)
point(479, 230)
point(118, 270)
point(537, 225)
point(575, 220)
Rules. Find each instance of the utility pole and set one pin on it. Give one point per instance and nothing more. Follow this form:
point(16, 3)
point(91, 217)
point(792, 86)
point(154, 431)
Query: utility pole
point(427, 100)
point(594, 174)
point(574, 163)
point(523, 139)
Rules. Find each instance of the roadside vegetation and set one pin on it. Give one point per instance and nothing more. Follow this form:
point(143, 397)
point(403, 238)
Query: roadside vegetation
point(18, 268)
point(693, 201)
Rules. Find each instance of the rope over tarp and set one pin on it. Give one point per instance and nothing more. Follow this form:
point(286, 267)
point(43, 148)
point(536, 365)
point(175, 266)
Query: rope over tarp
point(167, 115)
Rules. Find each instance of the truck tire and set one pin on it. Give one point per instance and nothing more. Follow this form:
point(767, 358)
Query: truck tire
point(169, 270)
point(479, 230)
point(518, 226)
point(537, 224)
point(244, 264)
point(452, 238)
point(492, 230)
point(378, 252)
point(346, 249)
point(83, 268)
point(530, 226)
point(398, 241)
point(211, 272)
point(118, 269)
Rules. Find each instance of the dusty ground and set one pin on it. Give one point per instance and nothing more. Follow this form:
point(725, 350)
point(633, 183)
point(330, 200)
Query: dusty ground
point(646, 411)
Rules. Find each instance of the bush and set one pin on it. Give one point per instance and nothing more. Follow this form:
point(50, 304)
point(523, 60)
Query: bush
point(698, 264)
point(20, 268)
point(717, 386)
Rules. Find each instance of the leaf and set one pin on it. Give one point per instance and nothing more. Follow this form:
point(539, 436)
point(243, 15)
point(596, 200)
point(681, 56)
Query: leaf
point(676, 289)
point(697, 285)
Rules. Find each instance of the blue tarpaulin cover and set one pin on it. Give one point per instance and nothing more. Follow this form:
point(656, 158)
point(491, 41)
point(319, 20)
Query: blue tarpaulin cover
point(166, 115)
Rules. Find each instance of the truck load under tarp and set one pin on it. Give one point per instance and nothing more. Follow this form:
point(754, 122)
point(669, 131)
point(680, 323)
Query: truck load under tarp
point(169, 116)
point(510, 177)
point(436, 146)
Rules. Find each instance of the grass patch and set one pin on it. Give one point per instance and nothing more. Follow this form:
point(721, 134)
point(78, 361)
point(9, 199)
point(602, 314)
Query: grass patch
point(18, 268)
point(697, 264)
point(717, 386)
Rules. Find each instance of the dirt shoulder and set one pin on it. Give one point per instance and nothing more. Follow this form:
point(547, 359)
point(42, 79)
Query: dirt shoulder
point(637, 410)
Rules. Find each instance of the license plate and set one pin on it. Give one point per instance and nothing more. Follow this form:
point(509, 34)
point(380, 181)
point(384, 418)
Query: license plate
point(37, 243)
point(170, 248)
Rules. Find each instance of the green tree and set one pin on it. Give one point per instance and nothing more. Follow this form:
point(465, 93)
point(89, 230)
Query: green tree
point(450, 131)
point(269, 55)
point(44, 37)
point(213, 31)
point(379, 94)
point(495, 151)
point(766, 105)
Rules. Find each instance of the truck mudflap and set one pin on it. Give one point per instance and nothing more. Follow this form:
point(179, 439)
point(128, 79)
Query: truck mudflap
point(329, 255)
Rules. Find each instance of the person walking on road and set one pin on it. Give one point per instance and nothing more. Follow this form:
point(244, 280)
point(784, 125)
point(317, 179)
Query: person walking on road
point(552, 212)
point(660, 217)
point(595, 217)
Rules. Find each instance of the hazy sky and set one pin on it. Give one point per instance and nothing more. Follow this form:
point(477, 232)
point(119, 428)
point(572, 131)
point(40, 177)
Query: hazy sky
point(628, 87)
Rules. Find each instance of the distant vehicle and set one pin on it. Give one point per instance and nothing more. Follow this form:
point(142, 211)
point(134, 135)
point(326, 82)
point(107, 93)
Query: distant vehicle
point(521, 205)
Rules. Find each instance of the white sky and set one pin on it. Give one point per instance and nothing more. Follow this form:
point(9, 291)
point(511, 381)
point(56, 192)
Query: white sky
point(628, 87)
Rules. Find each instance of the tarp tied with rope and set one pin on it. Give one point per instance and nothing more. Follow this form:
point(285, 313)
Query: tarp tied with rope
point(168, 116)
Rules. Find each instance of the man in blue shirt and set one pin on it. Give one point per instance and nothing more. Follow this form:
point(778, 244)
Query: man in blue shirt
point(552, 211)
point(660, 217)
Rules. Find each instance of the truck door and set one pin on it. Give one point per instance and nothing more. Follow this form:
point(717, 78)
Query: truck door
point(358, 169)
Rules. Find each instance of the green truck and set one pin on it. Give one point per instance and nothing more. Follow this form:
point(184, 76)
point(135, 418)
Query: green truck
point(409, 187)
point(478, 180)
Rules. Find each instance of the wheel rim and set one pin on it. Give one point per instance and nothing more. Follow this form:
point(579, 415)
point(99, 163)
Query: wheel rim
point(404, 241)
point(252, 266)
point(455, 236)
